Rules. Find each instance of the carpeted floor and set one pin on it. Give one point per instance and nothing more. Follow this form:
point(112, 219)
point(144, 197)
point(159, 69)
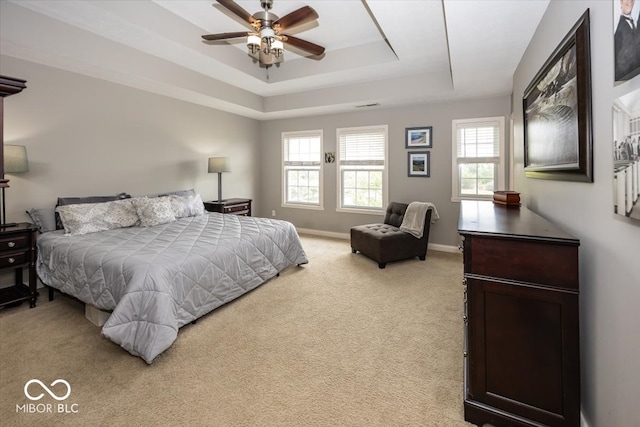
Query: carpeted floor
point(337, 342)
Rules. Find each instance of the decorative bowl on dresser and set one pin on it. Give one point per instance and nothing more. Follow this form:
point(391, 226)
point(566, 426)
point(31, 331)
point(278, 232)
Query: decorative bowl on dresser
point(17, 251)
point(521, 334)
point(230, 206)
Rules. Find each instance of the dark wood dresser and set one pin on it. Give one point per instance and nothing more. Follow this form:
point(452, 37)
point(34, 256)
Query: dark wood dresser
point(230, 206)
point(521, 356)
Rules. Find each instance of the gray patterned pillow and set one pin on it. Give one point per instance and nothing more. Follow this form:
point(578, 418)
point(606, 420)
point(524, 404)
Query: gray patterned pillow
point(93, 217)
point(154, 211)
point(185, 206)
point(44, 219)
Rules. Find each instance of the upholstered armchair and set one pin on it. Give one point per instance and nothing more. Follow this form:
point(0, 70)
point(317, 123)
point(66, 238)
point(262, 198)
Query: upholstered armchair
point(386, 242)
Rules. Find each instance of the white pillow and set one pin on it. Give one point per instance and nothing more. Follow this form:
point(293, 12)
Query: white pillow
point(92, 217)
point(185, 206)
point(153, 211)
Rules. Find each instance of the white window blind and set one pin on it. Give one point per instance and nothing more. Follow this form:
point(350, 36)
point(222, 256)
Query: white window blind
point(478, 164)
point(362, 168)
point(302, 168)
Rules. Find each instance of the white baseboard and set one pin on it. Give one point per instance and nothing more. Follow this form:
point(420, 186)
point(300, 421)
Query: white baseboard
point(346, 236)
point(321, 233)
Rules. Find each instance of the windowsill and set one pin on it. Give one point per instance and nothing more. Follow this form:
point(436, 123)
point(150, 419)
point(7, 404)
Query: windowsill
point(459, 199)
point(362, 211)
point(309, 207)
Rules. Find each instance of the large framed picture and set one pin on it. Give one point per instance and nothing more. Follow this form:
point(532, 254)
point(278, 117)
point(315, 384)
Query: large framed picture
point(419, 137)
point(557, 112)
point(626, 39)
point(419, 164)
point(626, 155)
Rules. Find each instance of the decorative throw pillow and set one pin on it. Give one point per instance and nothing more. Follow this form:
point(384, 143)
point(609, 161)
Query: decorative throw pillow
point(44, 219)
point(154, 211)
point(63, 201)
point(183, 193)
point(186, 206)
point(92, 217)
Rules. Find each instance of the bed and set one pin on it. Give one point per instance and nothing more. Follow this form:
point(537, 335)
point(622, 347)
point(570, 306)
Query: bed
point(156, 279)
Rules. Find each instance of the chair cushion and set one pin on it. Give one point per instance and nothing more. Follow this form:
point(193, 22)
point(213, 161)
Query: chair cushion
point(395, 213)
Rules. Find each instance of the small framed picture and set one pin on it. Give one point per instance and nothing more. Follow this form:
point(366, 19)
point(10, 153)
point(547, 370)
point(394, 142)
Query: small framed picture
point(420, 137)
point(419, 164)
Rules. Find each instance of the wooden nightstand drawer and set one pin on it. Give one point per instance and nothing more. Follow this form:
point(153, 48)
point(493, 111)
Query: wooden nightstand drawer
point(230, 206)
point(11, 243)
point(12, 259)
point(236, 209)
point(17, 251)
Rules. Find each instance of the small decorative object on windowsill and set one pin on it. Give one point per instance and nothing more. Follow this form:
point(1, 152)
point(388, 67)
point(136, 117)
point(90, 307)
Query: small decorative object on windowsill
point(219, 165)
point(510, 199)
point(15, 161)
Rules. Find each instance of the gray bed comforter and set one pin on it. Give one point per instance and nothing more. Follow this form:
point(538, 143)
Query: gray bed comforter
point(160, 278)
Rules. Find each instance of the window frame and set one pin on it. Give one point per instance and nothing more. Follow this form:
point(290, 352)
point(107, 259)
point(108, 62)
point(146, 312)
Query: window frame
point(456, 195)
point(284, 189)
point(385, 173)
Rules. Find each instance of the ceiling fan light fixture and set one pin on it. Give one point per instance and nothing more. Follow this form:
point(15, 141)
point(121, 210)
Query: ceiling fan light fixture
point(268, 35)
point(277, 48)
point(265, 40)
point(253, 43)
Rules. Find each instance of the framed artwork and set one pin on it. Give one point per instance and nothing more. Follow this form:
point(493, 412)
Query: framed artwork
point(626, 39)
point(557, 112)
point(419, 163)
point(626, 155)
point(420, 137)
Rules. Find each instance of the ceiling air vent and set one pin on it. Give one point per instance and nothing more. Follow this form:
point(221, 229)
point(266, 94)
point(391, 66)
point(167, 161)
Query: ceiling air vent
point(375, 104)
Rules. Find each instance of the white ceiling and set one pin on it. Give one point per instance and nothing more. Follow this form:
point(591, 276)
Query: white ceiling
point(434, 50)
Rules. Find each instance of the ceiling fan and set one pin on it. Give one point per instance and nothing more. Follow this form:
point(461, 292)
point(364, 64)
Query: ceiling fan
point(266, 38)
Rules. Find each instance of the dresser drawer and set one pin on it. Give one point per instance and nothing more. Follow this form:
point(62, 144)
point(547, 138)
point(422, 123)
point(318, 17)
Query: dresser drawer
point(523, 260)
point(11, 243)
point(12, 259)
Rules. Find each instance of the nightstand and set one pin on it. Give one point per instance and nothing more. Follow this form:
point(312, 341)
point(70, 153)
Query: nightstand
point(230, 206)
point(18, 250)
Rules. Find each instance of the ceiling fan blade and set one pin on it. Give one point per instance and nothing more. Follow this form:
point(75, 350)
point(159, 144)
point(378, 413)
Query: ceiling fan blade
point(312, 48)
point(237, 10)
point(297, 17)
point(224, 36)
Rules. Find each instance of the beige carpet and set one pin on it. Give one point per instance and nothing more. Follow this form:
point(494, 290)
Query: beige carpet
point(337, 342)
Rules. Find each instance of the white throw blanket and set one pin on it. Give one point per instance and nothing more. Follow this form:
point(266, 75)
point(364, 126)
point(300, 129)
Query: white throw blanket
point(413, 221)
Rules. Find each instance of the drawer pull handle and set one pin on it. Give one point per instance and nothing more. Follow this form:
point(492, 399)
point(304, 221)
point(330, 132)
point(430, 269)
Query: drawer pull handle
point(465, 318)
point(11, 244)
point(12, 260)
point(465, 354)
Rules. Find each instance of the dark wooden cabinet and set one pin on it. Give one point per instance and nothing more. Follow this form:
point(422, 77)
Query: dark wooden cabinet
point(230, 206)
point(17, 251)
point(521, 357)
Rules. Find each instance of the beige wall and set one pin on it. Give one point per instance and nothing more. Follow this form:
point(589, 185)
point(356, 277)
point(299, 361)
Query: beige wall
point(86, 136)
point(610, 244)
point(435, 189)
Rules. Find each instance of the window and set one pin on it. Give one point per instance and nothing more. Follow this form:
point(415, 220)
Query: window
point(478, 158)
point(302, 169)
point(362, 174)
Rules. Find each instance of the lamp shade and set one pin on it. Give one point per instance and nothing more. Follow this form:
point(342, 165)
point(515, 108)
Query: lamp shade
point(219, 164)
point(15, 159)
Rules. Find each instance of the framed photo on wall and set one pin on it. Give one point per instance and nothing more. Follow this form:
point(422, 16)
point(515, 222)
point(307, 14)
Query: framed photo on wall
point(626, 39)
point(557, 112)
point(626, 155)
point(419, 164)
point(420, 137)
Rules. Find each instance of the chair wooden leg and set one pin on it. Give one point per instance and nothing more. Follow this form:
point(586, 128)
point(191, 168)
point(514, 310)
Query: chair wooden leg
point(382, 264)
point(353, 251)
point(422, 258)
